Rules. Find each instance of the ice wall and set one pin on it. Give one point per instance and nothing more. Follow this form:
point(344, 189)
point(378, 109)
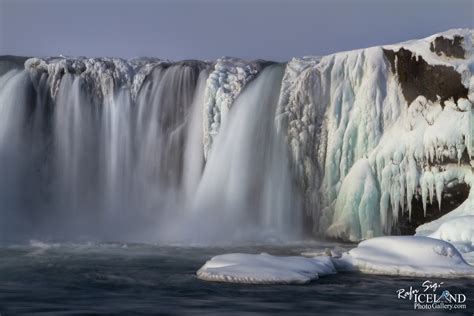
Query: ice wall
point(354, 132)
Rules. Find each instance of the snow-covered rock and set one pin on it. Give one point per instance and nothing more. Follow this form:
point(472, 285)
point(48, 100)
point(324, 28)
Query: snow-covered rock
point(409, 256)
point(103, 75)
point(265, 269)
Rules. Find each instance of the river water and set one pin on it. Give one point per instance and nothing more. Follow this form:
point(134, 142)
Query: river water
point(116, 278)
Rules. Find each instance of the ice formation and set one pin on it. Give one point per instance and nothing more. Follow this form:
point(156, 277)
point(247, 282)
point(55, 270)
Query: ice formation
point(358, 196)
point(350, 110)
point(265, 269)
point(229, 77)
point(465, 209)
point(336, 146)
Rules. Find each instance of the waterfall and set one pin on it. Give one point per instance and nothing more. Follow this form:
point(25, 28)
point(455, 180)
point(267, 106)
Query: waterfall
point(88, 157)
point(339, 146)
point(246, 187)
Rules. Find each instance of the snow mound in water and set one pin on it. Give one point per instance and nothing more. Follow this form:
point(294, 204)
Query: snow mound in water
point(265, 269)
point(409, 256)
point(413, 256)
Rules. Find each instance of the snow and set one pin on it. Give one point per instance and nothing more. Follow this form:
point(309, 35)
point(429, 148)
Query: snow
point(409, 256)
point(265, 269)
point(421, 47)
point(458, 229)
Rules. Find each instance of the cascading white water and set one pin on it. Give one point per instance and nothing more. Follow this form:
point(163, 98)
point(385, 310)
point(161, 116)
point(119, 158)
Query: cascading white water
point(118, 163)
point(96, 162)
point(194, 151)
point(246, 188)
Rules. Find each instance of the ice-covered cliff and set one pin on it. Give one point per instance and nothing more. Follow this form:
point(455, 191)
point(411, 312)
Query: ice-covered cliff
point(371, 130)
point(351, 145)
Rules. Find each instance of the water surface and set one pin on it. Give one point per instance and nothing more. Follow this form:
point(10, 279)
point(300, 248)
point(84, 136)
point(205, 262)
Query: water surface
point(117, 278)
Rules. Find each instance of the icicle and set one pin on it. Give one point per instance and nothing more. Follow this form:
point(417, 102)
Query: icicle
point(402, 183)
point(411, 178)
point(395, 192)
point(459, 150)
point(430, 182)
point(384, 203)
point(424, 191)
point(439, 183)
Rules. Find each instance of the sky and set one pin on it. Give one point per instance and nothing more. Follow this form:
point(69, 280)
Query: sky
point(208, 29)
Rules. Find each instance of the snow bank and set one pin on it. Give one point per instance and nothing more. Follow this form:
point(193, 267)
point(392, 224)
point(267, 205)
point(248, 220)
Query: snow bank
point(409, 256)
point(265, 269)
point(458, 229)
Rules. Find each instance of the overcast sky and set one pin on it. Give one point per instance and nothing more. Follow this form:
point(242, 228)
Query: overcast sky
point(207, 29)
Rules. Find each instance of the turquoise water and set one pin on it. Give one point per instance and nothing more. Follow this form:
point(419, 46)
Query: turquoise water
point(116, 278)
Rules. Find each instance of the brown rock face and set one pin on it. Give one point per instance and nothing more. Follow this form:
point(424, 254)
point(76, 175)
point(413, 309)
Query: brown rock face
point(417, 77)
point(448, 47)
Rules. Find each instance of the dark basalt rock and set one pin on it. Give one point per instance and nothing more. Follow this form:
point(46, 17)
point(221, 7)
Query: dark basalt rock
point(417, 77)
point(448, 47)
